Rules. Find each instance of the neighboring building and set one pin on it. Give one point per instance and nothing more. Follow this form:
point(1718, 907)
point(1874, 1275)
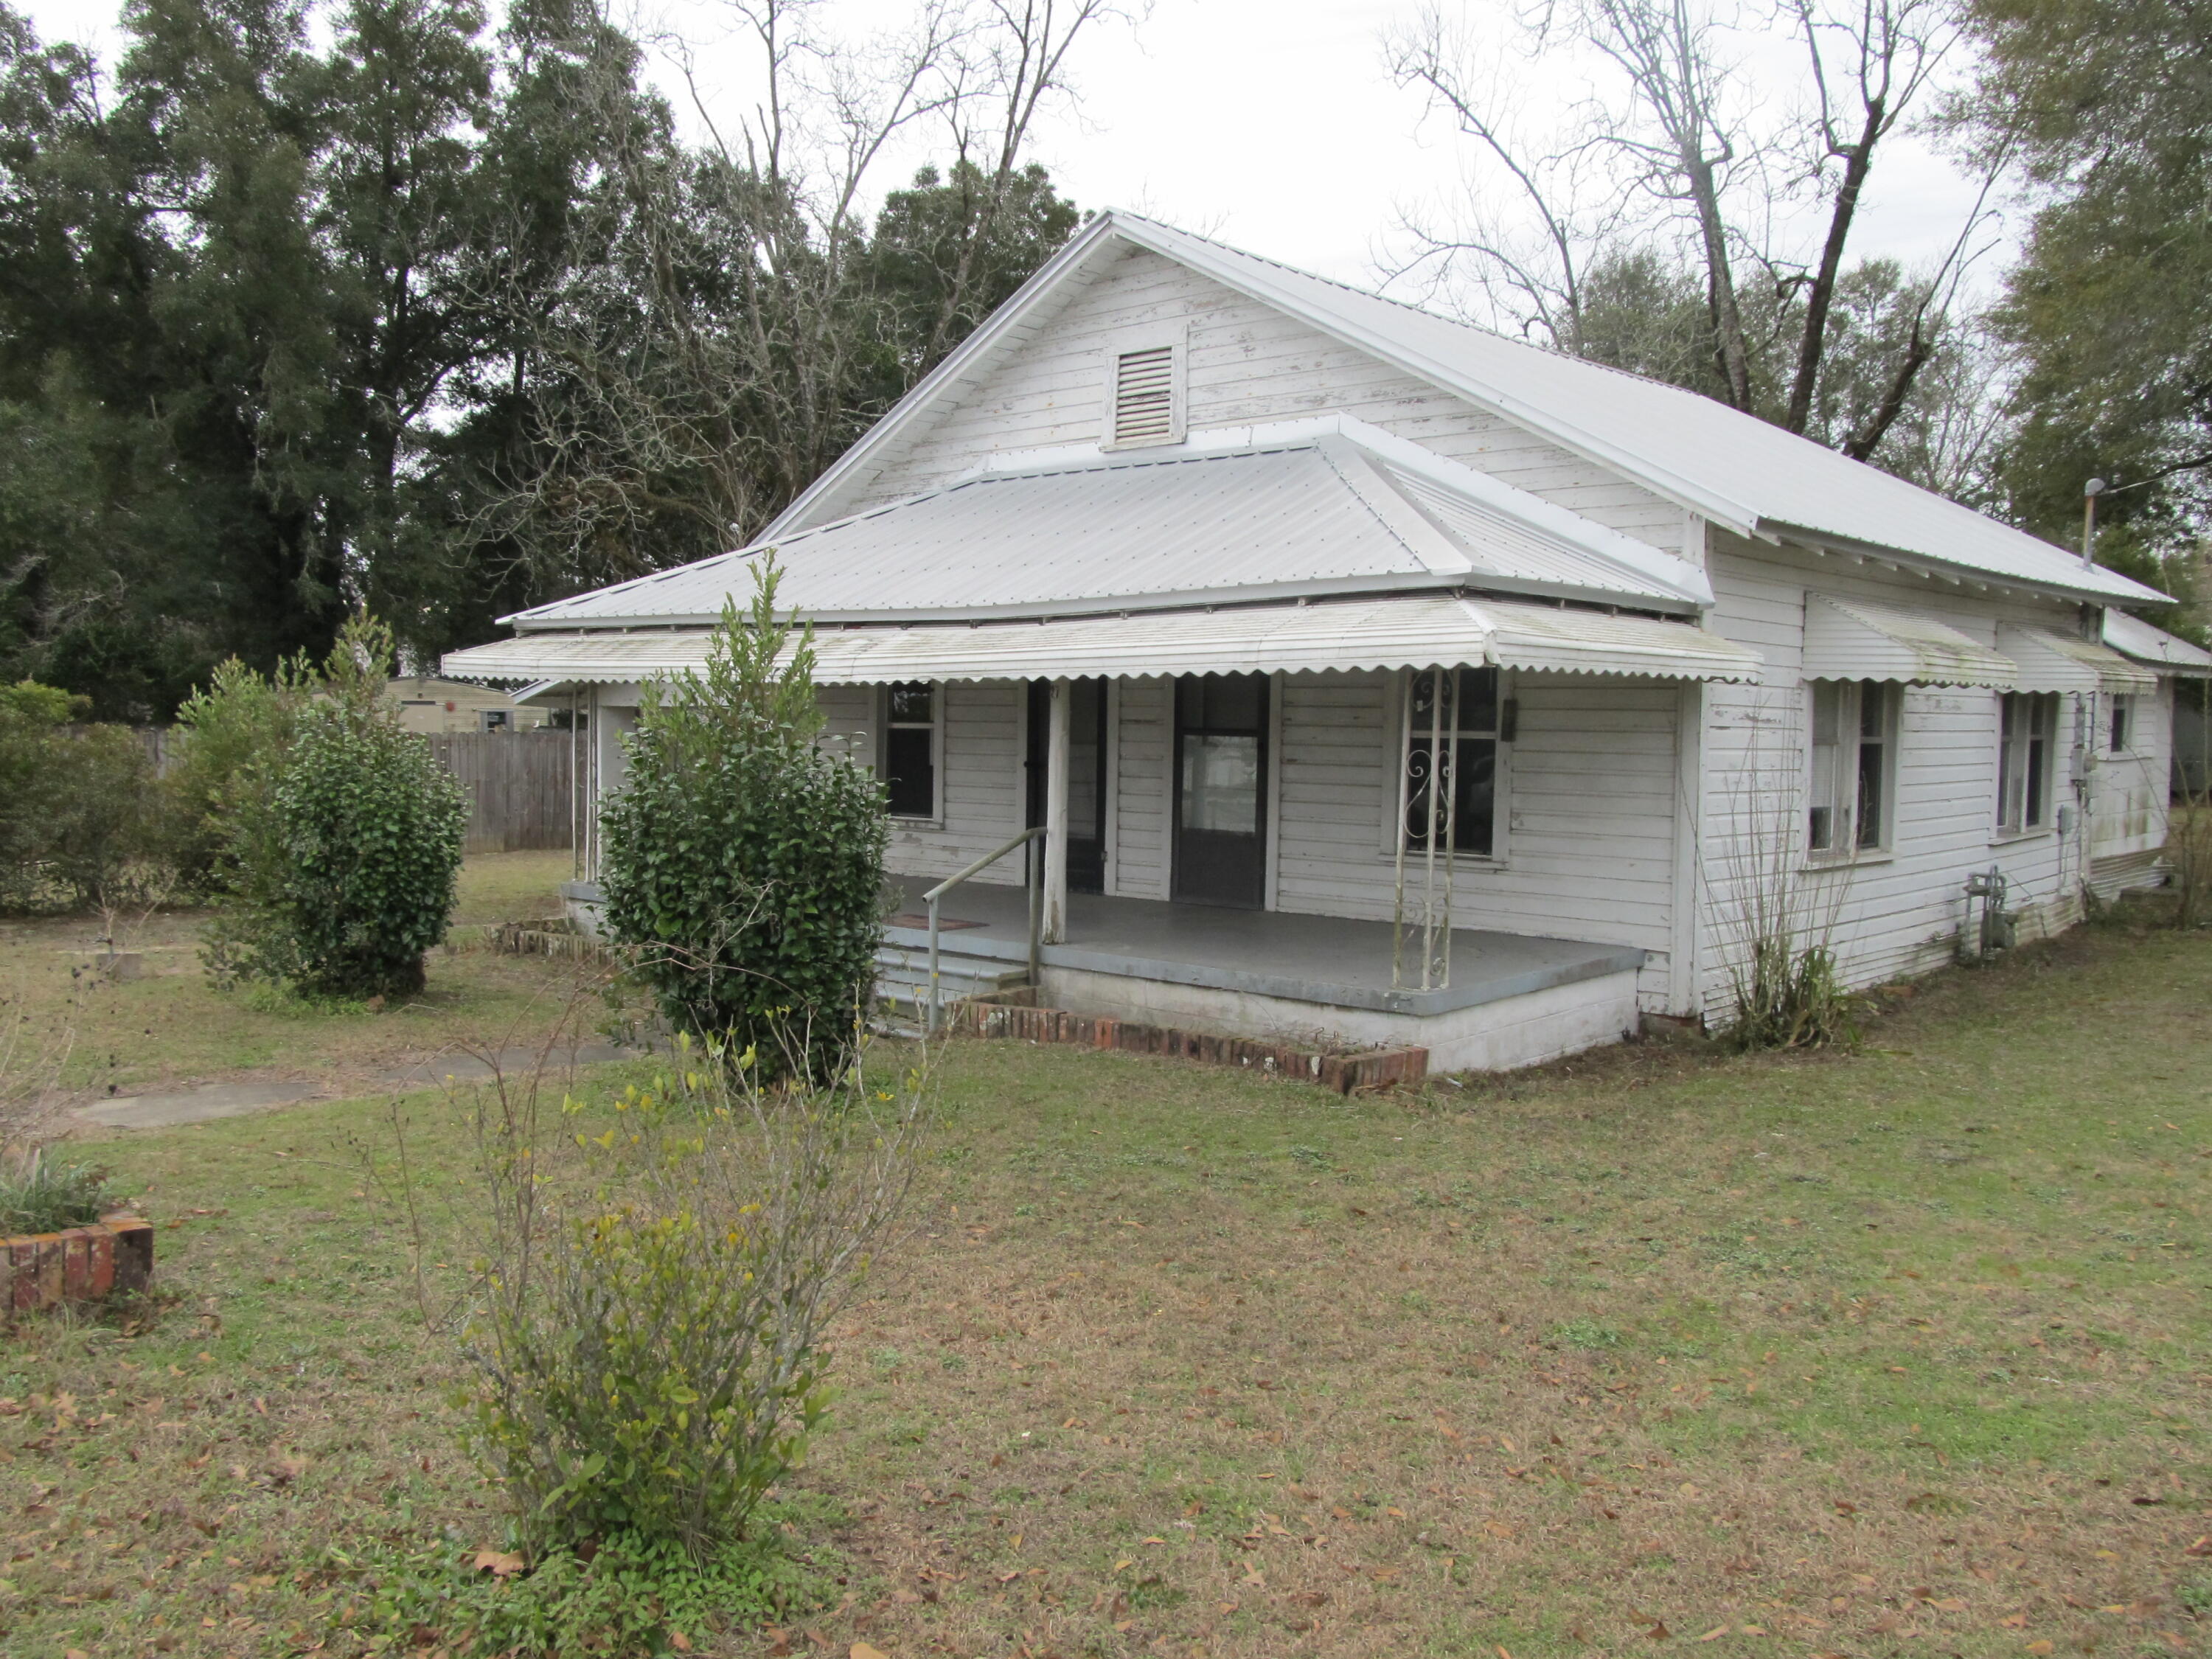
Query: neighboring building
point(427, 704)
point(1212, 565)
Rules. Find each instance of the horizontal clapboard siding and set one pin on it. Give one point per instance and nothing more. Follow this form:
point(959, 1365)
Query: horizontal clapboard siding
point(1144, 747)
point(1589, 837)
point(1247, 363)
point(980, 788)
point(1900, 914)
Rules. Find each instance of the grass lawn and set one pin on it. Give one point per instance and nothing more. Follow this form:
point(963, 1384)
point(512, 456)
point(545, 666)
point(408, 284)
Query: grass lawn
point(1902, 1352)
point(171, 1028)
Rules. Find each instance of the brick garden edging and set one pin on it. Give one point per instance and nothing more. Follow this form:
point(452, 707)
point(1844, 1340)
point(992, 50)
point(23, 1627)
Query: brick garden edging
point(81, 1264)
point(1369, 1069)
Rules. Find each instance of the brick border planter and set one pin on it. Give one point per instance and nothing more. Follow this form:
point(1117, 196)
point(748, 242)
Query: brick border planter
point(1367, 1069)
point(81, 1264)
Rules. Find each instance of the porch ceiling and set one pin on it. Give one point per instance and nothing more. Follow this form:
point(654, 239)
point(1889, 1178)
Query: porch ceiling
point(1414, 630)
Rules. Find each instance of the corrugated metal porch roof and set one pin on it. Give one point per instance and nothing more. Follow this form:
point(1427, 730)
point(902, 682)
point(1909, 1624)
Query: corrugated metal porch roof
point(1410, 631)
point(1312, 517)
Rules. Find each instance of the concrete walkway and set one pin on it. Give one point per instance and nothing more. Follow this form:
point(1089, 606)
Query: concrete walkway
point(216, 1100)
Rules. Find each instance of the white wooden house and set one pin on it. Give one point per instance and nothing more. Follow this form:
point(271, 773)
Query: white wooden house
point(1212, 564)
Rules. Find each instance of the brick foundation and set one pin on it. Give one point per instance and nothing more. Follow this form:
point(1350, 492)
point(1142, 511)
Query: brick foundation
point(82, 1264)
point(1371, 1069)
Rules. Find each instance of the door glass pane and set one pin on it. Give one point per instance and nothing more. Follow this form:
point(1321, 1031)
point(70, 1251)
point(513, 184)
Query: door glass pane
point(910, 702)
point(1084, 801)
point(1223, 703)
point(1221, 783)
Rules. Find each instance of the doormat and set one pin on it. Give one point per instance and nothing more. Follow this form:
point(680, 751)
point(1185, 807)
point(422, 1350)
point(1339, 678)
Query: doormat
point(1370, 1068)
point(917, 919)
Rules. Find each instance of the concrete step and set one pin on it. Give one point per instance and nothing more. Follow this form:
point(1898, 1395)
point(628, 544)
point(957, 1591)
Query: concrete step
point(902, 977)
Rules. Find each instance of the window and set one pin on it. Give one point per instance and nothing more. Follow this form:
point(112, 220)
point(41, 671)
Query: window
point(495, 719)
point(1854, 742)
point(2027, 722)
point(910, 748)
point(1467, 807)
point(2122, 722)
point(1145, 405)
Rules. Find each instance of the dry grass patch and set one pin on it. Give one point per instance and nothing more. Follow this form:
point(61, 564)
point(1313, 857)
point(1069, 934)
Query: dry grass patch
point(1903, 1352)
point(170, 1028)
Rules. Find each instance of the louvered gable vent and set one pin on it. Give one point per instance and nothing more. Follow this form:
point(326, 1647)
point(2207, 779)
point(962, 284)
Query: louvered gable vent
point(1144, 396)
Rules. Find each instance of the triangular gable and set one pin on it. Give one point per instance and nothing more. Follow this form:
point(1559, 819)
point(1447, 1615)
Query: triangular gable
point(1729, 468)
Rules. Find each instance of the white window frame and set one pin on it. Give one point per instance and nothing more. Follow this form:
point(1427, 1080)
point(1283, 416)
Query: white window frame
point(1398, 688)
point(2015, 747)
point(885, 726)
point(1832, 782)
point(2124, 709)
point(1175, 341)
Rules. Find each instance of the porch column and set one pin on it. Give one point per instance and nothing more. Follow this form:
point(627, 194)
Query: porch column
point(1056, 819)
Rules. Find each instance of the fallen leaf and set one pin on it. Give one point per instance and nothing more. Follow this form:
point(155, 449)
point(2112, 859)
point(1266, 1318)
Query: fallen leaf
point(862, 1650)
point(679, 1641)
point(500, 1564)
point(1715, 1633)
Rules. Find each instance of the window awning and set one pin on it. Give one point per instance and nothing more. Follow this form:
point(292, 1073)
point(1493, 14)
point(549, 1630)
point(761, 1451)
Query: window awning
point(1408, 631)
point(2050, 661)
point(1859, 640)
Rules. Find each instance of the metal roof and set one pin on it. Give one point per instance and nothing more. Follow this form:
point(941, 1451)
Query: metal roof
point(1732, 468)
point(1416, 630)
point(1162, 529)
point(2136, 638)
point(1859, 640)
point(2051, 660)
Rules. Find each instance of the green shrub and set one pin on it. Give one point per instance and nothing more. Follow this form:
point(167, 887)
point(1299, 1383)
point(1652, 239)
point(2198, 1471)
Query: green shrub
point(228, 736)
point(658, 1277)
point(342, 846)
point(37, 1195)
point(78, 820)
point(747, 864)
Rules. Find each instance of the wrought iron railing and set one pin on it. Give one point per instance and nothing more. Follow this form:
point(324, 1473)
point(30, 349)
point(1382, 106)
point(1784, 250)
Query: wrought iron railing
point(1036, 883)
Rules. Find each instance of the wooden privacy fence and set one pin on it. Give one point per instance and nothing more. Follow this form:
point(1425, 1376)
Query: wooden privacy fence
point(518, 785)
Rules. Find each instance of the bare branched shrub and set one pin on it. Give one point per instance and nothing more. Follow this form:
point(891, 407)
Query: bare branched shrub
point(656, 1274)
point(1778, 917)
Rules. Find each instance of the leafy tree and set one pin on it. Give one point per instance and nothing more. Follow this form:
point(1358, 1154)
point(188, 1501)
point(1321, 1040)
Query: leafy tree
point(745, 864)
point(2109, 104)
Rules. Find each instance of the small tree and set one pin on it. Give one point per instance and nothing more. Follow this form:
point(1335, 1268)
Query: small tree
point(745, 864)
point(78, 824)
point(343, 844)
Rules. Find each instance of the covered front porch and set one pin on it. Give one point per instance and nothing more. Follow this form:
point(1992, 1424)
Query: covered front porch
point(1510, 999)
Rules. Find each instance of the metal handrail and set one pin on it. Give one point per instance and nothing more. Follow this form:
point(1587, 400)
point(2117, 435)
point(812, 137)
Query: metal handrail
point(1036, 880)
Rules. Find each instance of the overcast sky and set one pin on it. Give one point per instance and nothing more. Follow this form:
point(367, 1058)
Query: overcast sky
point(1272, 123)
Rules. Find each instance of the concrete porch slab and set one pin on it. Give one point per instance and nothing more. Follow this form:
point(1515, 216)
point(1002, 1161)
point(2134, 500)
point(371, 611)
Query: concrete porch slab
point(1326, 960)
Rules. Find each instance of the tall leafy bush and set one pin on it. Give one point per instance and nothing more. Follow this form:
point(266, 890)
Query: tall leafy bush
point(341, 833)
point(745, 864)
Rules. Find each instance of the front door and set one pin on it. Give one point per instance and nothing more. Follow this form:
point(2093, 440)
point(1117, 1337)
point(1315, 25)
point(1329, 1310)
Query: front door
point(1086, 776)
point(1221, 789)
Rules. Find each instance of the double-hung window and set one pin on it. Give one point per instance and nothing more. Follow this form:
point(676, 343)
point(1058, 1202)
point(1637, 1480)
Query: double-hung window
point(2027, 726)
point(911, 722)
point(1460, 732)
point(2122, 725)
point(1854, 730)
